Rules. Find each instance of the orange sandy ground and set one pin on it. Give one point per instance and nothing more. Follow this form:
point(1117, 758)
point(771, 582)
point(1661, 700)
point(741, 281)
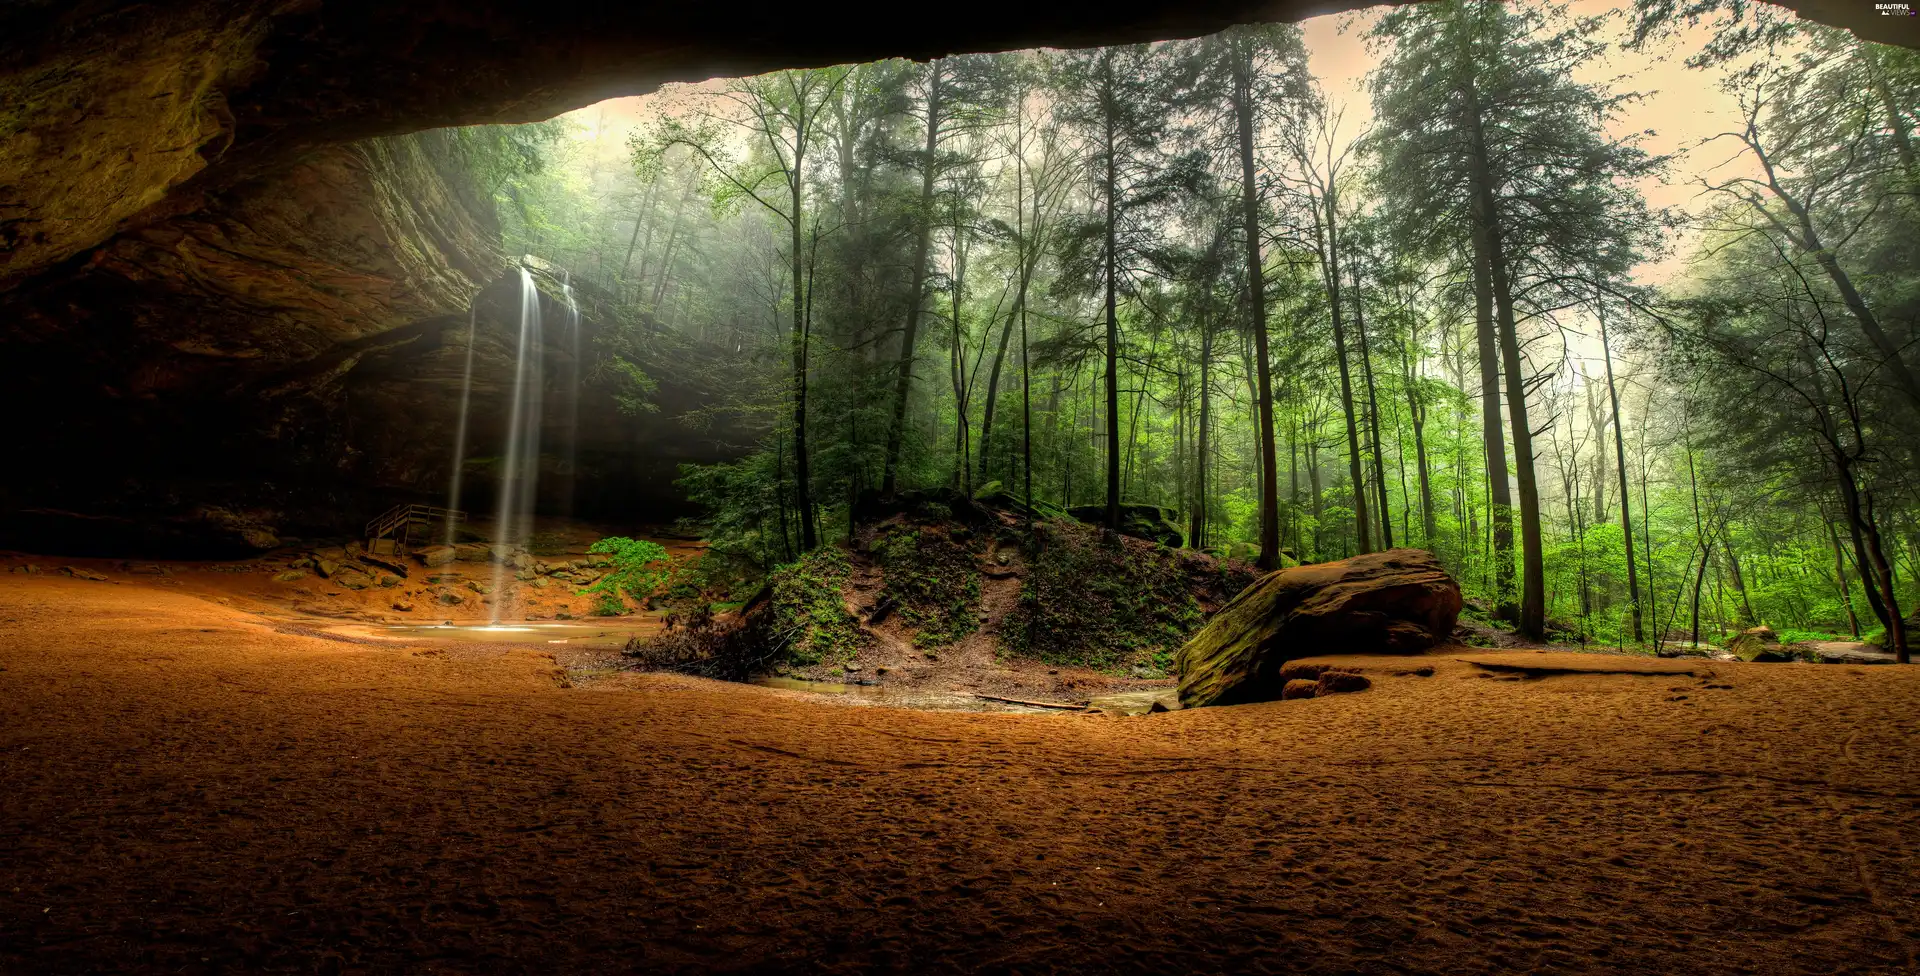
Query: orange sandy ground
point(182, 788)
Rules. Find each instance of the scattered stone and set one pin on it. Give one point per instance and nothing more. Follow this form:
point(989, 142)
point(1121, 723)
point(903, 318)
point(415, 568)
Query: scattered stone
point(389, 582)
point(291, 575)
point(450, 598)
point(541, 582)
point(853, 669)
point(325, 567)
point(1158, 707)
point(149, 569)
point(1299, 688)
point(479, 587)
point(353, 579)
point(404, 606)
point(85, 574)
point(434, 557)
point(562, 615)
point(1424, 671)
point(1394, 602)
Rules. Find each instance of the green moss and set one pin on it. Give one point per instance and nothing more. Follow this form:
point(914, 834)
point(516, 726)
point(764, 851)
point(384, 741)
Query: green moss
point(1092, 601)
point(809, 616)
point(932, 580)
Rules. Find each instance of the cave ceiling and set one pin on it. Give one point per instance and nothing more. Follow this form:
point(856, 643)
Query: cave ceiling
point(115, 114)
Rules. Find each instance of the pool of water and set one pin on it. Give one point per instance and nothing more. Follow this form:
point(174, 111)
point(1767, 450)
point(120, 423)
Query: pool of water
point(1125, 702)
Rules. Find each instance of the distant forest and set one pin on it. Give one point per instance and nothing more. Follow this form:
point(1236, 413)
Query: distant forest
point(1178, 274)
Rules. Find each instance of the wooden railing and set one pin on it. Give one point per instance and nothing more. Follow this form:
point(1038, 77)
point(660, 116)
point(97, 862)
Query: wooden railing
point(399, 522)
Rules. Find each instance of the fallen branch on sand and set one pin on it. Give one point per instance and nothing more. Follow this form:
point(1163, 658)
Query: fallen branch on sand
point(1035, 704)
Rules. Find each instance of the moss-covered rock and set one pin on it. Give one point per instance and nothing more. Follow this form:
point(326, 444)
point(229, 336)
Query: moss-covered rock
point(1759, 645)
point(1399, 601)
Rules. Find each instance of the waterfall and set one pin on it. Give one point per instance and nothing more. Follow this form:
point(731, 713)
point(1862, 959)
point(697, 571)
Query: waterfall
point(520, 466)
point(573, 387)
point(460, 432)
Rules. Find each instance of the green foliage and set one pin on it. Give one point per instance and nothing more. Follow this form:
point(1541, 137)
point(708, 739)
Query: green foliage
point(609, 604)
point(932, 579)
point(809, 615)
point(635, 568)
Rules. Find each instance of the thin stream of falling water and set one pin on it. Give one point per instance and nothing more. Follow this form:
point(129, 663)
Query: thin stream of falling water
point(520, 467)
point(460, 433)
point(573, 390)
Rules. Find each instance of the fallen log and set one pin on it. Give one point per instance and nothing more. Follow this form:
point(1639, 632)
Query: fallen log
point(1033, 704)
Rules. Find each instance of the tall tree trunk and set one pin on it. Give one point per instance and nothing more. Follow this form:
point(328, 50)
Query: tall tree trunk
point(802, 475)
point(1362, 529)
point(1493, 434)
point(1373, 413)
point(1620, 451)
point(1417, 415)
point(1111, 186)
point(1241, 52)
point(903, 377)
point(1533, 594)
point(1203, 449)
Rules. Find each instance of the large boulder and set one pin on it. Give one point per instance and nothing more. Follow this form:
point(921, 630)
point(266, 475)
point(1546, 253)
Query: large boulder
point(1150, 522)
point(1759, 644)
point(1394, 602)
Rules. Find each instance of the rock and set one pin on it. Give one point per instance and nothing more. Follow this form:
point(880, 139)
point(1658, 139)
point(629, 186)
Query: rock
point(1758, 645)
point(1157, 708)
point(247, 528)
point(537, 582)
point(389, 582)
point(290, 575)
point(1850, 652)
point(479, 587)
point(1150, 522)
point(325, 567)
point(1299, 688)
point(562, 615)
point(1339, 682)
point(1394, 602)
point(404, 606)
point(149, 570)
point(353, 579)
point(473, 552)
point(85, 574)
point(451, 598)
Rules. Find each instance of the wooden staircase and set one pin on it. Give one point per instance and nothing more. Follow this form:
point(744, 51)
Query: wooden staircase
point(401, 525)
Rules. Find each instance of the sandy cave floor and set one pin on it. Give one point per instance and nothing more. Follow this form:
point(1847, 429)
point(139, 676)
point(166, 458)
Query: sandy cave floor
point(186, 788)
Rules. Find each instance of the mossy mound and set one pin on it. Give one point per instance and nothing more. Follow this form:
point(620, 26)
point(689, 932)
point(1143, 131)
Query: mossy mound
point(807, 616)
point(1103, 601)
point(1153, 523)
point(932, 578)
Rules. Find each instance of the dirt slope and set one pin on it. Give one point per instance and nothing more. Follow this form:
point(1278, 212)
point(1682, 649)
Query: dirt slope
point(184, 789)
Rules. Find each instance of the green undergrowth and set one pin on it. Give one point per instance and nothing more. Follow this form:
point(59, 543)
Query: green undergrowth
point(637, 566)
point(932, 580)
point(810, 619)
point(1094, 600)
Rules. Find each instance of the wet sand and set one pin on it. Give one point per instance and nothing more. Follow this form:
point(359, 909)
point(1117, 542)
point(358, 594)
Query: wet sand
point(188, 787)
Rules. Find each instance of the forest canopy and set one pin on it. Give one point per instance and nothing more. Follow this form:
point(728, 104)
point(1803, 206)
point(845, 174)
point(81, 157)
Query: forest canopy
point(1435, 308)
